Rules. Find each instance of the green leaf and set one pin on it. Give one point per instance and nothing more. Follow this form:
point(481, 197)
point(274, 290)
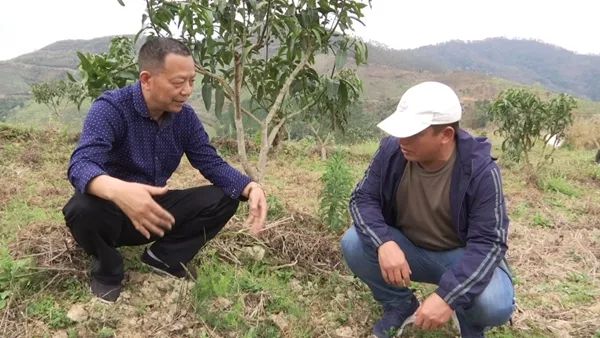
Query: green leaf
point(340, 58)
point(317, 35)
point(219, 101)
point(85, 63)
point(360, 52)
point(221, 5)
point(70, 77)
point(207, 95)
point(332, 89)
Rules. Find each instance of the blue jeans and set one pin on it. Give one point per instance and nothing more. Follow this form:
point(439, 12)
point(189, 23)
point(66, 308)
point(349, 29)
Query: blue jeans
point(493, 307)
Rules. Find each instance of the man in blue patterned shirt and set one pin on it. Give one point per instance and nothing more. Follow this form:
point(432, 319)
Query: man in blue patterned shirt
point(132, 141)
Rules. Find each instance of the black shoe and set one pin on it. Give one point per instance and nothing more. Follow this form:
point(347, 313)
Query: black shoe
point(394, 319)
point(105, 292)
point(161, 267)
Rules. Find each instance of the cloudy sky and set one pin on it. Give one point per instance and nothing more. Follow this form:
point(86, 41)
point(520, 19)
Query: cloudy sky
point(28, 25)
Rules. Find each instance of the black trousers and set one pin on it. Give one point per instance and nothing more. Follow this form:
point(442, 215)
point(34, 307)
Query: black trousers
point(99, 227)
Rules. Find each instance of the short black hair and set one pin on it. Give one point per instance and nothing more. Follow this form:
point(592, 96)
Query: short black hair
point(155, 49)
point(438, 128)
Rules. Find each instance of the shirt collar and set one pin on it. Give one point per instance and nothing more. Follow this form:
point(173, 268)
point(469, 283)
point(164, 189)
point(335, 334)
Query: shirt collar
point(138, 100)
point(139, 103)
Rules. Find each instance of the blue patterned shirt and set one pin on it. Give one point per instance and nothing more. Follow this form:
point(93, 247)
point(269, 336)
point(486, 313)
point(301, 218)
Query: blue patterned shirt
point(120, 139)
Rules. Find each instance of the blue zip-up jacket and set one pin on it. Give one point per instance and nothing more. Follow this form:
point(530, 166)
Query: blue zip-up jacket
point(476, 201)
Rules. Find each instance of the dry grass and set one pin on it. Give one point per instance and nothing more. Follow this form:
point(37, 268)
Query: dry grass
point(554, 252)
point(585, 133)
point(291, 241)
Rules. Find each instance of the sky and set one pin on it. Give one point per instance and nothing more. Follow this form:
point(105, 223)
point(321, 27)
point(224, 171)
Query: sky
point(400, 24)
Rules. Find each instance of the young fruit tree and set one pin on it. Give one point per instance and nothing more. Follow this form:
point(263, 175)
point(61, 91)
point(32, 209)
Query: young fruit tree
point(266, 50)
point(523, 119)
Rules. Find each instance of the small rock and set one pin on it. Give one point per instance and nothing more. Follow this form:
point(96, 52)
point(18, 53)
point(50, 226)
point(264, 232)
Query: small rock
point(344, 332)
point(222, 303)
point(295, 285)
point(176, 327)
point(77, 313)
point(60, 334)
point(255, 253)
point(125, 295)
point(164, 285)
point(280, 321)
point(561, 328)
point(136, 277)
point(172, 309)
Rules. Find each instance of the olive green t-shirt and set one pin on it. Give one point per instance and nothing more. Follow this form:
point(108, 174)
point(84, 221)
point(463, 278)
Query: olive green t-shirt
point(423, 207)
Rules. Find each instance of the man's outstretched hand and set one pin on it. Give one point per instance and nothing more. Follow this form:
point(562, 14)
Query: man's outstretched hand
point(257, 203)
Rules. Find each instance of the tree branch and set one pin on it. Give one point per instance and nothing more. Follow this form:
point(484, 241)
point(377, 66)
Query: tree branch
point(227, 90)
point(245, 111)
point(286, 86)
point(226, 87)
point(260, 41)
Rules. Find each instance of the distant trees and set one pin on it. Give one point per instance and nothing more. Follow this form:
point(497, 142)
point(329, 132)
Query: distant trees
point(99, 72)
point(55, 94)
point(524, 119)
point(480, 114)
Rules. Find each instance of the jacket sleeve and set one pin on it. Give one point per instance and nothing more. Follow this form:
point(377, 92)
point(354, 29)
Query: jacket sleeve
point(486, 242)
point(203, 156)
point(101, 129)
point(365, 203)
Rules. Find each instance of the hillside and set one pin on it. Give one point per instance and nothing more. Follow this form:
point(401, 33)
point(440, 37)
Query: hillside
point(477, 70)
point(525, 61)
point(48, 63)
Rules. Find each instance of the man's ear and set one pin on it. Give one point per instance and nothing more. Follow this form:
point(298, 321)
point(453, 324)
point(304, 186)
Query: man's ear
point(448, 134)
point(145, 77)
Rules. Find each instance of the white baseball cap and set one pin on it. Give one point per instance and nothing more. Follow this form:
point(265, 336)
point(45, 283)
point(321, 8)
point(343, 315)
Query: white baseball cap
point(421, 106)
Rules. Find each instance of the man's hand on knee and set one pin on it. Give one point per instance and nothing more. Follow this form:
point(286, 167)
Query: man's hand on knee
point(394, 266)
point(147, 216)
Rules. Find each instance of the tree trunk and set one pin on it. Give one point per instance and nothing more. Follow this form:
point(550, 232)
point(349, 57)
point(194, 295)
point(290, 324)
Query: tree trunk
point(323, 152)
point(238, 119)
point(279, 137)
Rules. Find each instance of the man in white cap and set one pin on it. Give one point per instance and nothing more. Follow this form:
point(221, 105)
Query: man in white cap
point(430, 208)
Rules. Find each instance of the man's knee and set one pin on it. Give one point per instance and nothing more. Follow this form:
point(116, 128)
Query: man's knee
point(352, 249)
point(495, 314)
point(213, 200)
point(348, 242)
point(495, 305)
point(82, 209)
